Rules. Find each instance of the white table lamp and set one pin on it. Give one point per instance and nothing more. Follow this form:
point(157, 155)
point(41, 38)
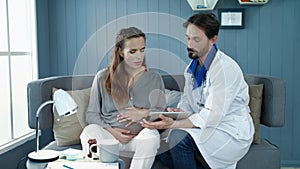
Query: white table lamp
point(65, 106)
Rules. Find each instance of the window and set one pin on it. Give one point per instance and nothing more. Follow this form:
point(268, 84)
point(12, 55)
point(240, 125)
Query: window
point(18, 66)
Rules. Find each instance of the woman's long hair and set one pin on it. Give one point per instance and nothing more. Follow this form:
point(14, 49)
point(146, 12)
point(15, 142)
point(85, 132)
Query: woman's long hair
point(117, 80)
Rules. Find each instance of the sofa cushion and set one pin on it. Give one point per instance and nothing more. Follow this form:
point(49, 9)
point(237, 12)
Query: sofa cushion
point(68, 129)
point(261, 156)
point(255, 93)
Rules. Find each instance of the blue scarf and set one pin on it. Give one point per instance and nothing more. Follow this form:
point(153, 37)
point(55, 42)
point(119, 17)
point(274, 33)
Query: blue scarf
point(199, 72)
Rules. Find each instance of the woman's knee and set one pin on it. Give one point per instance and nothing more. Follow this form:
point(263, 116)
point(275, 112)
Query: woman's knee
point(149, 138)
point(91, 127)
point(87, 130)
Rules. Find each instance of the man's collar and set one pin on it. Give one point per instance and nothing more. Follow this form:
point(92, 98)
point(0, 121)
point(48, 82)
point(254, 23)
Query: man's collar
point(200, 76)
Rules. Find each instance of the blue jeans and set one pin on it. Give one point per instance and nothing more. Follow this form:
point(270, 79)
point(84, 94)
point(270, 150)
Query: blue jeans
point(183, 150)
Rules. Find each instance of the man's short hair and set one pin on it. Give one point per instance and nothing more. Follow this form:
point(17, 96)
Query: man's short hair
point(207, 22)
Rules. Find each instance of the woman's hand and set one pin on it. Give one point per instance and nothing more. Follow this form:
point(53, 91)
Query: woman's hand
point(122, 135)
point(164, 123)
point(133, 115)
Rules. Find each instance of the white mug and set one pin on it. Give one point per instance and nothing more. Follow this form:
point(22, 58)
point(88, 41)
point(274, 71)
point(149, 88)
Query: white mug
point(108, 150)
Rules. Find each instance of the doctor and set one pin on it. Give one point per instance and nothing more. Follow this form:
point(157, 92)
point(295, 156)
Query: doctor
point(220, 130)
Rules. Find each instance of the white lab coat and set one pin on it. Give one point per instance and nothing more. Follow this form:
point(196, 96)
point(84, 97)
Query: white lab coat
point(221, 113)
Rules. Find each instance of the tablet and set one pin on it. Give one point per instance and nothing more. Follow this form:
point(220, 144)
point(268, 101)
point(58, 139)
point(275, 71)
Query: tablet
point(174, 115)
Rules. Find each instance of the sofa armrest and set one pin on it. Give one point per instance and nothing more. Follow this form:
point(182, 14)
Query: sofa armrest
point(40, 90)
point(274, 99)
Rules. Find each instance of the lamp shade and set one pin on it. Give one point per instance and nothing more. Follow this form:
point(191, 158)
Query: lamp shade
point(64, 103)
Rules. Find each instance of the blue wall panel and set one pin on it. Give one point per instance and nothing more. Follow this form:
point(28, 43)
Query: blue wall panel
point(43, 28)
point(101, 35)
point(61, 41)
point(277, 37)
point(71, 35)
point(76, 37)
point(81, 35)
point(264, 39)
point(91, 28)
point(52, 38)
point(252, 43)
point(241, 43)
point(294, 41)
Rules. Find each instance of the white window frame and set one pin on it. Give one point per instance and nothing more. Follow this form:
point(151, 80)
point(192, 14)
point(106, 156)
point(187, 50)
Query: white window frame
point(17, 141)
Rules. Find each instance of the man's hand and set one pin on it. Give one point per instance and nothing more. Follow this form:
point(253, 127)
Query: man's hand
point(164, 123)
point(132, 115)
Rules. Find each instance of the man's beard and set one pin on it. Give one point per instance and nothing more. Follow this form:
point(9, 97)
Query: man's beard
point(193, 54)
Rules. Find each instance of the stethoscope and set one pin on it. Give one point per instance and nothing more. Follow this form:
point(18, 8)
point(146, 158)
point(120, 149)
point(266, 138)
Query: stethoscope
point(200, 102)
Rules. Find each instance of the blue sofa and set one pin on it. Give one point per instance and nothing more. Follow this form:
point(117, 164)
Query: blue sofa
point(260, 156)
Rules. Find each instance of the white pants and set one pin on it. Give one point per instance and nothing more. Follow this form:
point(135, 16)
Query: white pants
point(144, 145)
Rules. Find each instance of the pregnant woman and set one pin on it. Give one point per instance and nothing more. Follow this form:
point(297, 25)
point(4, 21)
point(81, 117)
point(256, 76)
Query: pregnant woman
point(121, 96)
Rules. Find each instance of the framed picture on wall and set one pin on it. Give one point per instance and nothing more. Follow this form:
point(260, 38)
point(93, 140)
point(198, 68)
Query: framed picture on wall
point(231, 18)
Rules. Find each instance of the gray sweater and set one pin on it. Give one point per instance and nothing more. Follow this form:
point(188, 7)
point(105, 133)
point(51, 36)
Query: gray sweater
point(102, 110)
